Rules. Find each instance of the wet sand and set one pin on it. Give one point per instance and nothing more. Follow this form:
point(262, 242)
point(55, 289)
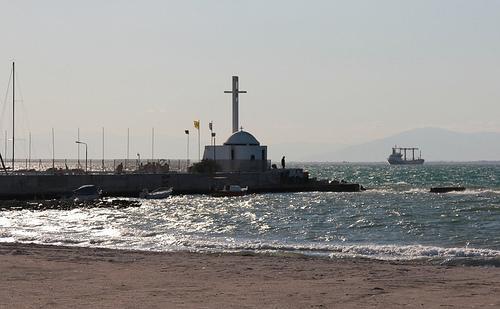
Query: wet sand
point(34, 276)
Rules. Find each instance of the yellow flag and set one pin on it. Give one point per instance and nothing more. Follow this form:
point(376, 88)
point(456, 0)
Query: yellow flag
point(197, 124)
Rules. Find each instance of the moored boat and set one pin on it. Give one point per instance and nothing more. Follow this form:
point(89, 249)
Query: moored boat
point(87, 193)
point(159, 193)
point(232, 190)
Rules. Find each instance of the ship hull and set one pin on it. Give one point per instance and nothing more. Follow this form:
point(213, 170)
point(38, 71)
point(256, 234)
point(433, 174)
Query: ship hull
point(406, 162)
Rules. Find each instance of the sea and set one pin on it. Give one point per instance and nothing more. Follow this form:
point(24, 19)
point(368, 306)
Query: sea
point(396, 218)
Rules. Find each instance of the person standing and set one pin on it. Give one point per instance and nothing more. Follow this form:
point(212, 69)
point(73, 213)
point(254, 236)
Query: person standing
point(283, 162)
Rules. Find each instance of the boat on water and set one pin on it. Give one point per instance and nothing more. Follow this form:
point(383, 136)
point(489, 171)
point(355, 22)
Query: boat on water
point(232, 190)
point(159, 193)
point(87, 193)
point(399, 157)
point(446, 189)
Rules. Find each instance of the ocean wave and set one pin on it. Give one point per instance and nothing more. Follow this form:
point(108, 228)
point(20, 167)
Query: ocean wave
point(471, 191)
point(398, 190)
point(372, 251)
point(476, 191)
point(390, 252)
point(442, 255)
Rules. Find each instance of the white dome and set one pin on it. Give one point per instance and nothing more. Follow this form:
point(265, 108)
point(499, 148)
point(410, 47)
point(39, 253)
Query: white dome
point(242, 138)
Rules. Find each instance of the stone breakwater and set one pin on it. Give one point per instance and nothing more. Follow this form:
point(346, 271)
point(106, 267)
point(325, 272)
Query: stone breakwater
point(66, 204)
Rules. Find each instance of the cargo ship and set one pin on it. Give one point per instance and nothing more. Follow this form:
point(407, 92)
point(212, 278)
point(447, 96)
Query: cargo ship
point(399, 157)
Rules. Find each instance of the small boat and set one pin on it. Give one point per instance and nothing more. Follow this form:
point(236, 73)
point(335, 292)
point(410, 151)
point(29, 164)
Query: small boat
point(232, 190)
point(446, 189)
point(87, 193)
point(156, 194)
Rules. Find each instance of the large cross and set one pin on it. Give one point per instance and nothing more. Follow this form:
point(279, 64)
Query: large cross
point(235, 93)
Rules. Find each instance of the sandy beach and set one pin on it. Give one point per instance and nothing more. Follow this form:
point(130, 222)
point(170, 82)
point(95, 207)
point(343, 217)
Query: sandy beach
point(35, 276)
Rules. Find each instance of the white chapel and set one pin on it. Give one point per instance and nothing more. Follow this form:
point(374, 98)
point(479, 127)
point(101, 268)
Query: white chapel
point(241, 152)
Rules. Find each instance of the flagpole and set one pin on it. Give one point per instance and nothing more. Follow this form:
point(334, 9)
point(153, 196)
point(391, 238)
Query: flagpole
point(6, 140)
point(29, 150)
point(128, 148)
point(13, 112)
point(102, 148)
point(152, 144)
point(53, 150)
point(78, 147)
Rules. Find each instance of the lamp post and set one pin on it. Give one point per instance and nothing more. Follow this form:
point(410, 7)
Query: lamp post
point(86, 153)
point(215, 160)
point(211, 127)
point(187, 148)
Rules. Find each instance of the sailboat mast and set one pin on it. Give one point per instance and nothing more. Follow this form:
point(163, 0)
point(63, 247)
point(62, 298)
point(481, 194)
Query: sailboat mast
point(13, 111)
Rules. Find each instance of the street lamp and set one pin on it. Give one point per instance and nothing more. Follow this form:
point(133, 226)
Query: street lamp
point(86, 153)
point(187, 155)
point(215, 160)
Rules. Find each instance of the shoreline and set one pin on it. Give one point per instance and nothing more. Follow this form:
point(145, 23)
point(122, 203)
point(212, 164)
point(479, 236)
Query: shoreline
point(58, 277)
point(457, 256)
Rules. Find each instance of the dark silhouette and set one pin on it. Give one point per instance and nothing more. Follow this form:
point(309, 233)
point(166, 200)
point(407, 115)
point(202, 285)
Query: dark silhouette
point(119, 168)
point(283, 162)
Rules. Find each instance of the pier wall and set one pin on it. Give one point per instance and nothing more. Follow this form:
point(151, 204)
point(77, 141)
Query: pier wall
point(53, 186)
point(48, 186)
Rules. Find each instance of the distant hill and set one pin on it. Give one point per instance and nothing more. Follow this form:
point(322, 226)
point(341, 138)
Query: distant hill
point(436, 145)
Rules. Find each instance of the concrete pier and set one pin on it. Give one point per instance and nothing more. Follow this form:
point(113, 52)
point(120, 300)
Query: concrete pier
point(44, 186)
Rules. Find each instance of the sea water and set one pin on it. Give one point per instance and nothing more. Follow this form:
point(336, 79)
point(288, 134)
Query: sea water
point(396, 218)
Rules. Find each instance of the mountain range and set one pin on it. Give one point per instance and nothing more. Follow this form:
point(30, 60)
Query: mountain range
point(436, 144)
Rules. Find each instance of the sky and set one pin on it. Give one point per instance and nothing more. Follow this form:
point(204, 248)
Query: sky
point(319, 74)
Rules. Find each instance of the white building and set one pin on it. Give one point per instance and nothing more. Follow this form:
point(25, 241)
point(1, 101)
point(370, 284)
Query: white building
point(241, 152)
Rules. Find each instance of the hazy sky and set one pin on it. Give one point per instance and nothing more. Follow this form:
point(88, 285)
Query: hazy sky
point(316, 72)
